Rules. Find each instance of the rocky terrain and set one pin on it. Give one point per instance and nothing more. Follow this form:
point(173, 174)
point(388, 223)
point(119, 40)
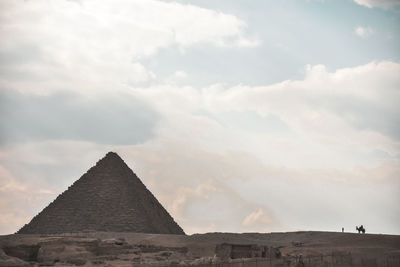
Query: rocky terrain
point(251, 249)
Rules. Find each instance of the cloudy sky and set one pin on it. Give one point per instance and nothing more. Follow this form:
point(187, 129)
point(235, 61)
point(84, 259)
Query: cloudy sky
point(238, 115)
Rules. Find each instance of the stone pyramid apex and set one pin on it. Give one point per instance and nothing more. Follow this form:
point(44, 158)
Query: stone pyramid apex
point(112, 154)
point(112, 158)
point(108, 197)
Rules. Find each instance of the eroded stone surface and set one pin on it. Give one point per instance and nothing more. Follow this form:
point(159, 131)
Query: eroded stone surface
point(158, 250)
point(109, 197)
point(9, 261)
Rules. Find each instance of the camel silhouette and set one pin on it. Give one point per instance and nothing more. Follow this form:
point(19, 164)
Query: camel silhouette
point(360, 229)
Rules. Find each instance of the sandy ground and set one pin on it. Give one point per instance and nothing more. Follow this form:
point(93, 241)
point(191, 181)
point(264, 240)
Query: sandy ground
point(135, 249)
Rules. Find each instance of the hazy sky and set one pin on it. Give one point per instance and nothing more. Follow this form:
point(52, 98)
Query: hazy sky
point(238, 115)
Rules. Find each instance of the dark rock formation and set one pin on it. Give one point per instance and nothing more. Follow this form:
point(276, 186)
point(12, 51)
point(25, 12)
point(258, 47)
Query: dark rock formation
point(227, 251)
point(109, 197)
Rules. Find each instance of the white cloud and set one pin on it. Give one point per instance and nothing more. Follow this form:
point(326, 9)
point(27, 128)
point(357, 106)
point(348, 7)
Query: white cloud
point(99, 44)
point(326, 113)
point(350, 102)
point(180, 74)
point(176, 78)
point(256, 217)
point(378, 3)
point(18, 201)
point(363, 32)
point(196, 182)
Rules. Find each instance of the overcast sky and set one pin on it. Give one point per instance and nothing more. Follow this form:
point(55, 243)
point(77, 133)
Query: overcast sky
point(238, 115)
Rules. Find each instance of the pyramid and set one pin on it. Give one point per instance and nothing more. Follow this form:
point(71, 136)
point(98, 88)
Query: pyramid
point(108, 197)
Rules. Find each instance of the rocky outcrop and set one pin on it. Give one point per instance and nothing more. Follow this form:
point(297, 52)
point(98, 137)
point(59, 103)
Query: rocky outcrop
point(10, 261)
point(79, 251)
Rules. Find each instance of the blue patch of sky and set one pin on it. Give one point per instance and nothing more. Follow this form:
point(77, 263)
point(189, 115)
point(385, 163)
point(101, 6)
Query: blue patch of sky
point(292, 34)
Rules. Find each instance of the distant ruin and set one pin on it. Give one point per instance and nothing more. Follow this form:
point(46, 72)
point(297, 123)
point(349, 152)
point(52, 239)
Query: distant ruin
point(109, 197)
point(237, 251)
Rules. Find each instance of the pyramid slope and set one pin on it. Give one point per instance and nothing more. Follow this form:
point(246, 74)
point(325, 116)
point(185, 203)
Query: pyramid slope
point(108, 197)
